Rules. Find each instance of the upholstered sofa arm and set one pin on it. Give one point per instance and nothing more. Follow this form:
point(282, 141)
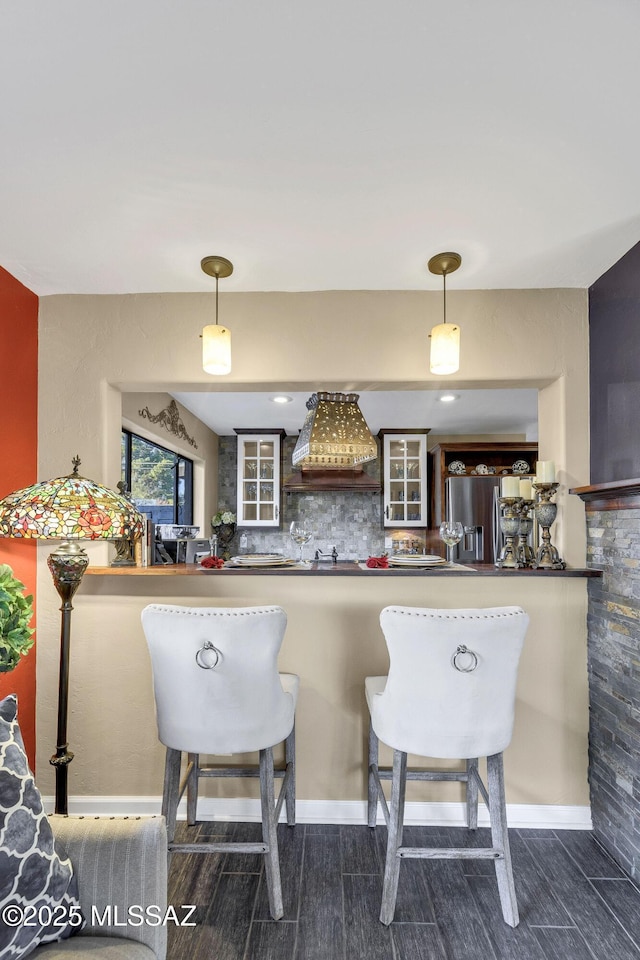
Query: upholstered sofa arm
point(120, 862)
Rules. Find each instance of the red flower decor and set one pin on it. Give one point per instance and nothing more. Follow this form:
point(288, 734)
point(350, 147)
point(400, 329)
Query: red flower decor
point(380, 563)
point(212, 563)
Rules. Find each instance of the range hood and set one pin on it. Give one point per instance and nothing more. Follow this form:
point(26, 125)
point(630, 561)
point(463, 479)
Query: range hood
point(333, 445)
point(346, 480)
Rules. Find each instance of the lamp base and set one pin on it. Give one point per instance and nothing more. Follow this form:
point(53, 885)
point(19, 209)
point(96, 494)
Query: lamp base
point(67, 565)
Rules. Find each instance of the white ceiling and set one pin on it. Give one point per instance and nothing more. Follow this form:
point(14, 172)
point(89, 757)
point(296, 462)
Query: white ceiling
point(472, 412)
point(333, 145)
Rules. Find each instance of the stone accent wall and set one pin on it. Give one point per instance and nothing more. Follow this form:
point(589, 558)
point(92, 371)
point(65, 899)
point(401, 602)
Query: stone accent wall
point(614, 682)
point(350, 521)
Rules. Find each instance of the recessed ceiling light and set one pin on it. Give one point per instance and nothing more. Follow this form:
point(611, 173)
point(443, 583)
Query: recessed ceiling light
point(281, 399)
point(448, 397)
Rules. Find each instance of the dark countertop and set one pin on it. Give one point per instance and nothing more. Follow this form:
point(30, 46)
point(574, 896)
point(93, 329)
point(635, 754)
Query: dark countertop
point(341, 569)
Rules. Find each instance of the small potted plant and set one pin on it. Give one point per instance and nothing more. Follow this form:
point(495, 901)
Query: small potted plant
point(16, 611)
point(223, 524)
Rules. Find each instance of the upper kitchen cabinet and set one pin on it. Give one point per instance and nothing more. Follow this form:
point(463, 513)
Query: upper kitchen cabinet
point(477, 458)
point(259, 472)
point(404, 465)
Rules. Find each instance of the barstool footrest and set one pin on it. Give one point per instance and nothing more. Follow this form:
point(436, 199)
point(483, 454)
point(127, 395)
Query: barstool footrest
point(460, 776)
point(449, 853)
point(210, 770)
point(223, 846)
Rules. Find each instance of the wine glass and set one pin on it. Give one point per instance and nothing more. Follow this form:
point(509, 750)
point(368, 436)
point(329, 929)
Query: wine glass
point(300, 534)
point(451, 531)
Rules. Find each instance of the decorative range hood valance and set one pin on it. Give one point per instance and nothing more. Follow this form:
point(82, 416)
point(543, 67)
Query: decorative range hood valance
point(335, 435)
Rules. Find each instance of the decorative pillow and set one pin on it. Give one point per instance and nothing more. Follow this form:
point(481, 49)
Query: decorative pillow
point(38, 891)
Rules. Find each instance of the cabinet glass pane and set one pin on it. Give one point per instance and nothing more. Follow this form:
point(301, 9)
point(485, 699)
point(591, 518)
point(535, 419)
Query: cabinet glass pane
point(266, 491)
point(249, 511)
point(266, 469)
point(250, 491)
point(250, 468)
point(413, 492)
point(250, 448)
point(266, 448)
point(396, 448)
point(413, 448)
point(266, 511)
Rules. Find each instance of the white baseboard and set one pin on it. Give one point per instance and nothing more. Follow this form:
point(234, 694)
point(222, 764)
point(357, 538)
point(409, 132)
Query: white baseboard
point(528, 815)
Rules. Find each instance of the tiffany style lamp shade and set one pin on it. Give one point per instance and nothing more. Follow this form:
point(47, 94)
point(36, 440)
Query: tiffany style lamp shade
point(70, 509)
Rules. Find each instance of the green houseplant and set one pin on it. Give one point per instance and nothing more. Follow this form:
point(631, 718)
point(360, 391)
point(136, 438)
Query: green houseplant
point(16, 611)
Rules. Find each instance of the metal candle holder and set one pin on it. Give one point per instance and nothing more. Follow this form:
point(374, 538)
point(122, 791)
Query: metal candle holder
point(510, 525)
point(525, 552)
point(547, 557)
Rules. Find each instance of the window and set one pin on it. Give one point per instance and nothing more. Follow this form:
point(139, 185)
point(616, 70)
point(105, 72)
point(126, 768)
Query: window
point(160, 481)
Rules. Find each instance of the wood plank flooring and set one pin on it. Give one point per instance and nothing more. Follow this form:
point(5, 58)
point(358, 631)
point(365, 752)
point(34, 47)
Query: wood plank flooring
point(575, 903)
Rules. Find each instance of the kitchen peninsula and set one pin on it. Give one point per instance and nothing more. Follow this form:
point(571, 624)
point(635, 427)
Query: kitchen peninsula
point(345, 568)
point(333, 640)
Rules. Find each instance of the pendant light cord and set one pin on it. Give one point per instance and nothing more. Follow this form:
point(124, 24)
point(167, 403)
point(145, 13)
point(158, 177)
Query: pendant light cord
point(444, 295)
point(216, 299)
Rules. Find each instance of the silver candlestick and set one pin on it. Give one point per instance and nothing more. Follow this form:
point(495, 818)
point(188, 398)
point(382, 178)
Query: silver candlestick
point(525, 552)
point(510, 525)
point(547, 557)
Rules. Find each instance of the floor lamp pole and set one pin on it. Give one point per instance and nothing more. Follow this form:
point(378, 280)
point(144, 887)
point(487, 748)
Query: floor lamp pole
point(67, 566)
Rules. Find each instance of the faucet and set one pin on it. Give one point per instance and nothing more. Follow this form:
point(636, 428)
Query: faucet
point(333, 555)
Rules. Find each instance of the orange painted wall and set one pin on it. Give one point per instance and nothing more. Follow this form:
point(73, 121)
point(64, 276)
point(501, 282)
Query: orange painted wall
point(19, 463)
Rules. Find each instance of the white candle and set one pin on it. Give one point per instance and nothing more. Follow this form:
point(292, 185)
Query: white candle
point(510, 487)
point(525, 488)
point(546, 471)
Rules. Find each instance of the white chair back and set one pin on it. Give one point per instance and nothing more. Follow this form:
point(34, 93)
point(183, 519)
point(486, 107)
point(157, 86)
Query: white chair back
point(432, 709)
point(226, 698)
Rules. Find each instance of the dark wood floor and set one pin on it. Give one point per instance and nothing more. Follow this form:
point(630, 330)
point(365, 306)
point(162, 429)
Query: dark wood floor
point(575, 904)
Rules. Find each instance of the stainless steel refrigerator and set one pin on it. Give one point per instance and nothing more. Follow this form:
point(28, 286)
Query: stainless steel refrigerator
point(474, 502)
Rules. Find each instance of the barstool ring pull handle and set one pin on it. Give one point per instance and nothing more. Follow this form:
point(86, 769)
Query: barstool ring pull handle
point(207, 645)
point(469, 665)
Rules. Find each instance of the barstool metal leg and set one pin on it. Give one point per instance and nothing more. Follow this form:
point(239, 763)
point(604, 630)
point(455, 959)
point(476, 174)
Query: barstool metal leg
point(472, 794)
point(500, 839)
point(290, 761)
point(372, 803)
point(192, 788)
point(396, 822)
point(269, 835)
point(171, 790)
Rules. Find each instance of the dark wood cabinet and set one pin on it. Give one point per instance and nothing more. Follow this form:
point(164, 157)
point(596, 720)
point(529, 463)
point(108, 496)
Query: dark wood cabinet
point(495, 457)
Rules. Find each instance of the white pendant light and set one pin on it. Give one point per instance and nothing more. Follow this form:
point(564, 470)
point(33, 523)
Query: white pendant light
point(445, 337)
point(216, 339)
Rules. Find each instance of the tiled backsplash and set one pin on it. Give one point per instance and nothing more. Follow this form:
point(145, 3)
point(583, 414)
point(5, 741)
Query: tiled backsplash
point(350, 521)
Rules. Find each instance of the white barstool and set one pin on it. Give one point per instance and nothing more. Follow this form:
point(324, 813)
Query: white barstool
point(450, 694)
point(218, 691)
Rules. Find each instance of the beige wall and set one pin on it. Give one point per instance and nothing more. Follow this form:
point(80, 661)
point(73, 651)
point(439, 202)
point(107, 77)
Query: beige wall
point(204, 454)
point(93, 348)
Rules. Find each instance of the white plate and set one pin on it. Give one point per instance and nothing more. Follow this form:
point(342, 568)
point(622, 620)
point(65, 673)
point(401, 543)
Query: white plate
point(521, 466)
point(482, 470)
point(404, 563)
point(259, 556)
point(457, 467)
point(418, 558)
point(278, 562)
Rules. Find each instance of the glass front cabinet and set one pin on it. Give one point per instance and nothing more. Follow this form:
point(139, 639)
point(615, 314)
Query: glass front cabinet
point(258, 483)
point(405, 478)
